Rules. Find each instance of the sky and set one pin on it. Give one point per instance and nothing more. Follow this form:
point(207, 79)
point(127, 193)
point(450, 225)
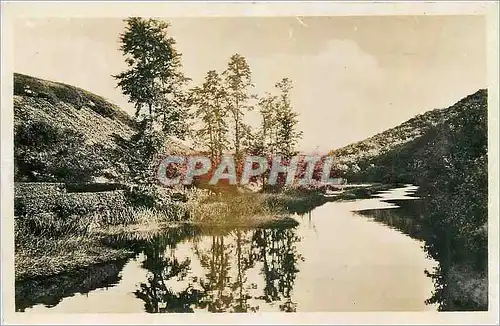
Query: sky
point(353, 76)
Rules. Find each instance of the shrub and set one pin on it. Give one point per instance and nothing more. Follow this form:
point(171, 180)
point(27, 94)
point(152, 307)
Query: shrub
point(44, 152)
point(72, 213)
point(36, 189)
point(94, 187)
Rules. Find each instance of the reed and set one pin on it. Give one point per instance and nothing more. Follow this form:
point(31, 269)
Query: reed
point(230, 209)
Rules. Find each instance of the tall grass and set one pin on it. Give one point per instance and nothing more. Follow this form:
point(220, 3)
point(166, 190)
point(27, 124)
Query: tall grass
point(230, 209)
point(39, 255)
point(63, 231)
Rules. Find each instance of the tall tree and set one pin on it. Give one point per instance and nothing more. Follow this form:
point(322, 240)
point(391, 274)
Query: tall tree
point(140, 152)
point(153, 80)
point(287, 134)
point(238, 78)
point(266, 135)
point(212, 114)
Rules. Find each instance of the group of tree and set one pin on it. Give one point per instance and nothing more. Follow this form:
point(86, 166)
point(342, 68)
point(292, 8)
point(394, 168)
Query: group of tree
point(278, 133)
point(221, 104)
point(211, 114)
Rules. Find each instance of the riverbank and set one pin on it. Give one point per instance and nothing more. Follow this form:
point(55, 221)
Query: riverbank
point(54, 228)
point(63, 232)
point(58, 232)
point(41, 257)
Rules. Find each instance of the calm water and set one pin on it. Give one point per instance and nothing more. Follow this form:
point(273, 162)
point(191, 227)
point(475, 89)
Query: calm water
point(361, 255)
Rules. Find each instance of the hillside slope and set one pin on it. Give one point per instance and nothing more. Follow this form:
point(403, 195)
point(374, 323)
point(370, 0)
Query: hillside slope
point(69, 107)
point(64, 133)
point(391, 154)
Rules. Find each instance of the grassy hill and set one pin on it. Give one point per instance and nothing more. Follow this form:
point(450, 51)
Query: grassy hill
point(72, 154)
point(64, 133)
point(69, 107)
point(397, 153)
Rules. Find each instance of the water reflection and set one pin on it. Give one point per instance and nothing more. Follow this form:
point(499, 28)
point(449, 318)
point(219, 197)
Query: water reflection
point(223, 259)
point(277, 250)
point(226, 260)
point(157, 295)
point(405, 217)
point(51, 290)
point(457, 284)
point(335, 260)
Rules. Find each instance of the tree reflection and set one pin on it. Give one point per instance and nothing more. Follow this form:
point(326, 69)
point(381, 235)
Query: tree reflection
point(225, 286)
point(457, 284)
point(163, 265)
point(276, 249)
point(226, 259)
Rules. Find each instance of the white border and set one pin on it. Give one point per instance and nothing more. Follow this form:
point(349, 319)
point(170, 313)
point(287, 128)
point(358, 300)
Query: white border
point(11, 10)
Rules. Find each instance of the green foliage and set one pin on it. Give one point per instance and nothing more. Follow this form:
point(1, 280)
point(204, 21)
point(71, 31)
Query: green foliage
point(138, 155)
point(357, 157)
point(145, 145)
point(58, 214)
point(142, 195)
point(278, 132)
point(37, 189)
point(265, 140)
point(93, 187)
point(38, 257)
point(70, 213)
point(238, 81)
point(45, 152)
point(232, 209)
point(153, 80)
point(212, 114)
point(455, 173)
point(287, 134)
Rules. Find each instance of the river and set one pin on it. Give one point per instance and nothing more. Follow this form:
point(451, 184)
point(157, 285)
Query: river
point(359, 255)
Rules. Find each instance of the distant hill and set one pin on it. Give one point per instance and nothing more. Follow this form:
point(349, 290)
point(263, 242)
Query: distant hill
point(395, 154)
point(65, 133)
